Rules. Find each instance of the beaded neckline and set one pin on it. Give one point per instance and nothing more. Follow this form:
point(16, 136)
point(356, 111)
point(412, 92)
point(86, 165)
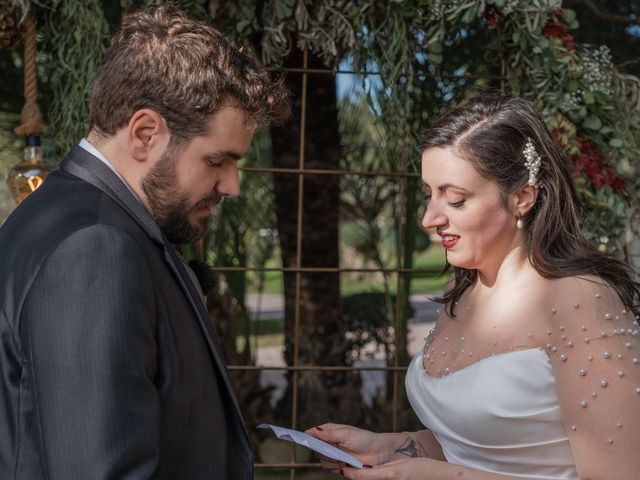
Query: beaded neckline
point(469, 366)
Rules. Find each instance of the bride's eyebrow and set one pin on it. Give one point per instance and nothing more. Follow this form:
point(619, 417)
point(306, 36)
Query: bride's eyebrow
point(444, 187)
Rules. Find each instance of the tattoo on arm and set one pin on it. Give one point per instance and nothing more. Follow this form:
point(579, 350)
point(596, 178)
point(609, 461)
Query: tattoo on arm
point(410, 448)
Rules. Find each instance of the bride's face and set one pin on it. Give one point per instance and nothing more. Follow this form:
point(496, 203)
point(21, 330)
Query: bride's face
point(466, 210)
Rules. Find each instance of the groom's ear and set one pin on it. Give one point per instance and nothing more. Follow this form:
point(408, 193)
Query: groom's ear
point(147, 135)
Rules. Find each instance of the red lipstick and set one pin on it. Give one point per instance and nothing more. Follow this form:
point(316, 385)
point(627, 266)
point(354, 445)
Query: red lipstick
point(449, 240)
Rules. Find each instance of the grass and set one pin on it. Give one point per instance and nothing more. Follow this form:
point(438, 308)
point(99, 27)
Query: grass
point(260, 340)
point(433, 259)
point(268, 332)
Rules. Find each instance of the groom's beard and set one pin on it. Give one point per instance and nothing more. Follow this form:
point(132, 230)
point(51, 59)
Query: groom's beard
point(168, 202)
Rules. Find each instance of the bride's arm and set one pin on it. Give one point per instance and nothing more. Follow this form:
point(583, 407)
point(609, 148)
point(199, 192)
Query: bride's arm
point(414, 445)
point(376, 448)
point(596, 364)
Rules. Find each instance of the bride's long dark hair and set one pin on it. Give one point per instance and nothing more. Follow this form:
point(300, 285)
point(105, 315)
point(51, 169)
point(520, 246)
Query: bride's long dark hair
point(490, 131)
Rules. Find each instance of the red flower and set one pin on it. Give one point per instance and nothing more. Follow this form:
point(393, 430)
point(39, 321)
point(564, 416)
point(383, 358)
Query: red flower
point(589, 163)
point(557, 29)
point(493, 15)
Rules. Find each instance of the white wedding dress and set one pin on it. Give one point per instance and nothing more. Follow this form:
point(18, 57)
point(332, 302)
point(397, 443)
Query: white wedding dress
point(499, 414)
point(536, 385)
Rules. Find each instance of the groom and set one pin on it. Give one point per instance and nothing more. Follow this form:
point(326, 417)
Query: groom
point(109, 367)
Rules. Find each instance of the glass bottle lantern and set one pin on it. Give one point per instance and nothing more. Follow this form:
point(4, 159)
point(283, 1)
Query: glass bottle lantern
point(28, 175)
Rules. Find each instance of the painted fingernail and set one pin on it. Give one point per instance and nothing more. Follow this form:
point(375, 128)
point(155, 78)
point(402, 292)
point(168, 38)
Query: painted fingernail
point(320, 428)
point(367, 466)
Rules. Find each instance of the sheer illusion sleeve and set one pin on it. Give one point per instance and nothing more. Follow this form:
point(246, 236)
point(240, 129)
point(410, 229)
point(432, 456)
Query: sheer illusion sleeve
point(594, 346)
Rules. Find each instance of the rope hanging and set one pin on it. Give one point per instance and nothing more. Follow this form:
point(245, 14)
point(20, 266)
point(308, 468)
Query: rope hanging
point(30, 118)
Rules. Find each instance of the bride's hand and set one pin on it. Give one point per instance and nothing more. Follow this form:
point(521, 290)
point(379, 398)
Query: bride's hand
point(404, 469)
point(366, 446)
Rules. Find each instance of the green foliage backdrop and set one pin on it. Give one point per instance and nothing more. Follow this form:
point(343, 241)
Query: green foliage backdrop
point(432, 53)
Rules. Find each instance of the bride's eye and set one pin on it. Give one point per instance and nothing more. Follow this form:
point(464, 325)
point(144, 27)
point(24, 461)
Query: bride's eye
point(457, 204)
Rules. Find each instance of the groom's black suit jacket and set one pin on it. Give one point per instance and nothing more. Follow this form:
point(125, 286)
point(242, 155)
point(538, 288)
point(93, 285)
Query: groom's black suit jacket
point(109, 368)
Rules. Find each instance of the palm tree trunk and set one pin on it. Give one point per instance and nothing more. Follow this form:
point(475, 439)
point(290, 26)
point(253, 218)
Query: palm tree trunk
point(321, 335)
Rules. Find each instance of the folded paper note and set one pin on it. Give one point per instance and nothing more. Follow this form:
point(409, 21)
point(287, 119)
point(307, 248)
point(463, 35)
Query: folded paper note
point(313, 443)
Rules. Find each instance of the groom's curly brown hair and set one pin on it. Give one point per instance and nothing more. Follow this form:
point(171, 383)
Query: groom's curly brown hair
point(183, 69)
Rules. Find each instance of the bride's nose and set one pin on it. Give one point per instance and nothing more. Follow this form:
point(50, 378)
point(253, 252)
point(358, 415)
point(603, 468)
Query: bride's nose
point(433, 216)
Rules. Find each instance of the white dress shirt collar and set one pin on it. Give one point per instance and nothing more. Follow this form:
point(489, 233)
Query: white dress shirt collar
point(84, 143)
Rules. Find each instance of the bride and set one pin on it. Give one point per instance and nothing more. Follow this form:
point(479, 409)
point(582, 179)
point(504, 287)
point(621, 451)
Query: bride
point(533, 368)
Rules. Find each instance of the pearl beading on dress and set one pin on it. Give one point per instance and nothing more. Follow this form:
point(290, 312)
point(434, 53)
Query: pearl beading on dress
point(582, 372)
point(608, 326)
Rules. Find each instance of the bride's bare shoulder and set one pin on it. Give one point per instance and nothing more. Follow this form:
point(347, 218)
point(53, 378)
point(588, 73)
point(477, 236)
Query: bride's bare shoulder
point(580, 299)
point(572, 289)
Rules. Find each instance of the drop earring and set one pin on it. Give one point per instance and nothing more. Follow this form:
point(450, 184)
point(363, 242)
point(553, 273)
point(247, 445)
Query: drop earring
point(519, 223)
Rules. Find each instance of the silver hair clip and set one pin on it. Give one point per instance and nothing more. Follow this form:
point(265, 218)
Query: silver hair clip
point(532, 163)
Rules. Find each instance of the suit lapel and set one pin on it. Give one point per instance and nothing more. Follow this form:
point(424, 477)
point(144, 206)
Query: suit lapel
point(203, 318)
point(82, 164)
